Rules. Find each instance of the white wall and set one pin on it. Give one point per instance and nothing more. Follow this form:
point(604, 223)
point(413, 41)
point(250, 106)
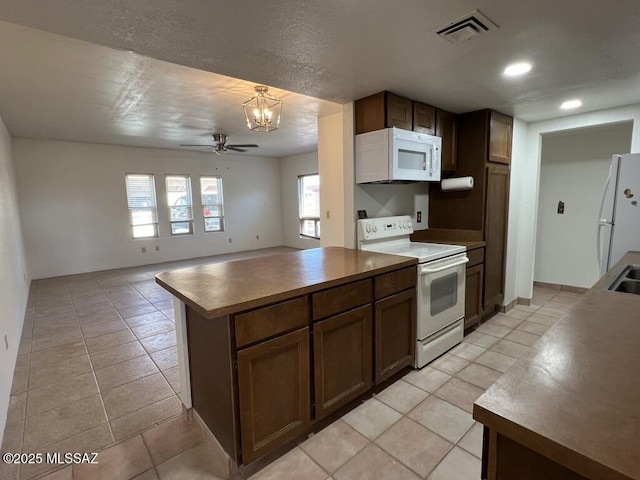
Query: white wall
point(390, 199)
point(574, 168)
point(14, 282)
point(514, 243)
point(526, 177)
point(331, 167)
point(290, 168)
point(74, 211)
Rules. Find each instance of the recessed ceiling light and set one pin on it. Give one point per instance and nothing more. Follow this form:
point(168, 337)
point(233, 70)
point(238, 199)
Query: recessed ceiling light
point(516, 69)
point(569, 104)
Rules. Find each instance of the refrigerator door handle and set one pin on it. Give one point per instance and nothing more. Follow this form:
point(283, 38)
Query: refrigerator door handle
point(602, 221)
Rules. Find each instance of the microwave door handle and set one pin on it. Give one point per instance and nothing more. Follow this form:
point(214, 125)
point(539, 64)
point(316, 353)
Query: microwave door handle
point(432, 148)
point(426, 270)
point(433, 157)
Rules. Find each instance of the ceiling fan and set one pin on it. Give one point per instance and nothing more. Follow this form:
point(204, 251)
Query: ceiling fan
point(221, 147)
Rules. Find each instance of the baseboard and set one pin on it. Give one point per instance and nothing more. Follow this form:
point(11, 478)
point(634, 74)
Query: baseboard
point(518, 301)
point(565, 288)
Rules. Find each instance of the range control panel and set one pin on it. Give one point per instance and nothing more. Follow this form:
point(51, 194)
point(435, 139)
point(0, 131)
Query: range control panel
point(384, 227)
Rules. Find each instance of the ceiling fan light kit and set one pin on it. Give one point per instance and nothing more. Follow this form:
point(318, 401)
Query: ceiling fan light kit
point(262, 111)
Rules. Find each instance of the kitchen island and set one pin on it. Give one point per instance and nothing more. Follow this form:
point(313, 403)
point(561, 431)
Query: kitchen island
point(570, 410)
point(271, 346)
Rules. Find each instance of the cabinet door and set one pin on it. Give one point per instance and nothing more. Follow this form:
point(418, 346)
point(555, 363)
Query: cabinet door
point(370, 113)
point(399, 112)
point(496, 213)
point(424, 118)
point(274, 393)
point(395, 334)
point(473, 296)
point(500, 137)
point(447, 128)
point(343, 359)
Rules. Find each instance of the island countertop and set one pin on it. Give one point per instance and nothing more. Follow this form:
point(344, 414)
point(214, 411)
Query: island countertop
point(225, 288)
point(575, 398)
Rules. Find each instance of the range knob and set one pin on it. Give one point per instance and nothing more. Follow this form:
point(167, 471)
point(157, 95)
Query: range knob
point(375, 229)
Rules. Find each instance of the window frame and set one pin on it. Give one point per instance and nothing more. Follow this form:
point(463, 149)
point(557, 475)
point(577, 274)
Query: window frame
point(153, 206)
point(306, 218)
point(218, 206)
point(189, 195)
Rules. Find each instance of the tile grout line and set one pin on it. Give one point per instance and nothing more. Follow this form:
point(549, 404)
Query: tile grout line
point(95, 378)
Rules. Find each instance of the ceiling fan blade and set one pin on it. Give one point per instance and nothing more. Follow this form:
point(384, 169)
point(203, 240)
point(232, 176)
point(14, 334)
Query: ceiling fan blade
point(235, 148)
point(185, 145)
point(245, 145)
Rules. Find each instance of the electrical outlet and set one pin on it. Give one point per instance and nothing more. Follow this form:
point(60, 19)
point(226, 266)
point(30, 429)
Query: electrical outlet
point(419, 217)
point(230, 240)
point(144, 249)
point(157, 248)
point(560, 208)
point(6, 342)
point(328, 214)
point(257, 237)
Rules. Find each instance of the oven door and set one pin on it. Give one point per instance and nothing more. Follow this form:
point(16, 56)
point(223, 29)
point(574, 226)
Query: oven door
point(416, 159)
point(440, 293)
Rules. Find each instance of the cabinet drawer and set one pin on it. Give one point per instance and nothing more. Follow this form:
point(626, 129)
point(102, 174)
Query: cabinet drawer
point(269, 321)
point(395, 282)
point(340, 299)
point(476, 257)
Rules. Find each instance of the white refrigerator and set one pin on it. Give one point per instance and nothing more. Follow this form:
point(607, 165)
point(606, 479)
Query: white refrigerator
point(619, 222)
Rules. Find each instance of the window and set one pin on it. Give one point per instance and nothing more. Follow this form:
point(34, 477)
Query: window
point(211, 196)
point(309, 197)
point(141, 200)
point(180, 204)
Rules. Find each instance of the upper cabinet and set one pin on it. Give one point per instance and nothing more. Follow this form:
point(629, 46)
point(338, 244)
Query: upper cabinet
point(383, 110)
point(424, 118)
point(500, 134)
point(446, 128)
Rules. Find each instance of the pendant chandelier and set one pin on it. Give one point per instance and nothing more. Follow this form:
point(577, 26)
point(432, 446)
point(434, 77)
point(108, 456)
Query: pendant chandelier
point(262, 111)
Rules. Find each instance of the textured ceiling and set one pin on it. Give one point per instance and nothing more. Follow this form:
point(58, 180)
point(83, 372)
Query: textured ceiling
point(333, 50)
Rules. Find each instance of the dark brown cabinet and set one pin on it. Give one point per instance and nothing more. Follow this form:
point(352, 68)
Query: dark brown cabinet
point(262, 377)
point(474, 284)
point(342, 352)
point(500, 135)
point(495, 231)
point(395, 336)
point(424, 118)
point(274, 388)
point(383, 110)
point(484, 152)
point(447, 128)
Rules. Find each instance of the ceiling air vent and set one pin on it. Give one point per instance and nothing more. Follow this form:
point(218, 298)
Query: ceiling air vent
point(466, 27)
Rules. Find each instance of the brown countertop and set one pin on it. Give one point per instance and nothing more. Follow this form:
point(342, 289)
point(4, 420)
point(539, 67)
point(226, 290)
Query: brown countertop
point(225, 288)
point(575, 398)
point(471, 239)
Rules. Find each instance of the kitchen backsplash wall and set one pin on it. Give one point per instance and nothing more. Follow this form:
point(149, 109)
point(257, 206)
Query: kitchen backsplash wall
point(381, 200)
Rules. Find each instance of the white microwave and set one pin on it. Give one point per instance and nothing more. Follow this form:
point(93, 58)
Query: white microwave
point(394, 155)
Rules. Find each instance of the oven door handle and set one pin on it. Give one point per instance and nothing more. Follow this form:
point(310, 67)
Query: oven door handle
point(426, 270)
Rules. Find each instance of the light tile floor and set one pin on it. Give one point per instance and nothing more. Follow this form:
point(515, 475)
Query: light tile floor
point(97, 372)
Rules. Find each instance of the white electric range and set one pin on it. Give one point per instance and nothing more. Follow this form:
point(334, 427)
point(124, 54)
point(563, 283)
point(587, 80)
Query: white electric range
point(440, 284)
